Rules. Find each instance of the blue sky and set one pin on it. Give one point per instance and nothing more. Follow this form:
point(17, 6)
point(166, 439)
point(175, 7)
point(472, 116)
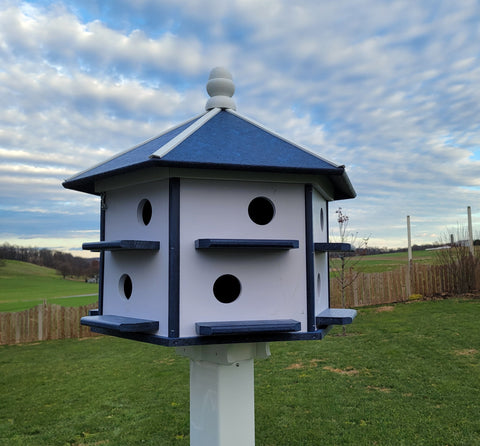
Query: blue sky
point(390, 89)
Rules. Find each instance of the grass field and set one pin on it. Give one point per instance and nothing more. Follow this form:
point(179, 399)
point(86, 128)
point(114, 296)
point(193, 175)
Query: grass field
point(385, 262)
point(24, 285)
point(407, 374)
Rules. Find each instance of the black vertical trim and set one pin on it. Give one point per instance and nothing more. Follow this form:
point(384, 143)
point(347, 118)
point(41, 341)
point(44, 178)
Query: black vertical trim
point(310, 252)
point(174, 258)
point(328, 255)
point(101, 272)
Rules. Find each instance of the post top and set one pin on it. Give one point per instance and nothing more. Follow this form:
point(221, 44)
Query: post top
point(220, 88)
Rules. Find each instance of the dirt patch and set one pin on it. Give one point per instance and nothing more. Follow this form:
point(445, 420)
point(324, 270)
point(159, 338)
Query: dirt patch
point(466, 352)
point(348, 371)
point(300, 365)
point(295, 366)
point(385, 308)
point(379, 389)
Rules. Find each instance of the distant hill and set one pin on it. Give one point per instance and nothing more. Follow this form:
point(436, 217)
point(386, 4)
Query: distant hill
point(15, 268)
point(64, 262)
point(24, 285)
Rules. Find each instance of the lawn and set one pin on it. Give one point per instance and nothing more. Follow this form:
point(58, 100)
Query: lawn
point(24, 285)
point(384, 262)
point(407, 374)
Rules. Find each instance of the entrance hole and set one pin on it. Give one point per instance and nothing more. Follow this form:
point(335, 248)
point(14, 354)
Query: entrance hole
point(126, 286)
point(144, 212)
point(226, 288)
point(261, 210)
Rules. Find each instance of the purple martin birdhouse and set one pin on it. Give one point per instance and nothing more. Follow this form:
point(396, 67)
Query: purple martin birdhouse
point(215, 231)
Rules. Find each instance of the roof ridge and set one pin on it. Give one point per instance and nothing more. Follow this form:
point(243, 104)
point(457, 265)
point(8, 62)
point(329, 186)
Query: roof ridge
point(182, 136)
point(117, 155)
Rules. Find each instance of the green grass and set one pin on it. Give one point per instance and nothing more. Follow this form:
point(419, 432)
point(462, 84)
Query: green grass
point(24, 285)
point(384, 262)
point(407, 374)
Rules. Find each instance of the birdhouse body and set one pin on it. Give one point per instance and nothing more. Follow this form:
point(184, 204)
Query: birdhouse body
point(147, 269)
point(215, 231)
point(272, 282)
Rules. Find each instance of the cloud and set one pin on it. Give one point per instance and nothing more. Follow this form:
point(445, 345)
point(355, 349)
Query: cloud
point(389, 90)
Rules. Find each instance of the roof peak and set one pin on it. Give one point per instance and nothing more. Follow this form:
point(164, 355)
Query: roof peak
point(220, 88)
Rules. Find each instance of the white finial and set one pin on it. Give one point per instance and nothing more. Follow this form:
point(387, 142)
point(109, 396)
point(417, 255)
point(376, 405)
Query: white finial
point(220, 87)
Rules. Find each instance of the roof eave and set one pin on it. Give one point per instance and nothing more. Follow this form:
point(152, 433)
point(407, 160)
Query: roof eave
point(337, 175)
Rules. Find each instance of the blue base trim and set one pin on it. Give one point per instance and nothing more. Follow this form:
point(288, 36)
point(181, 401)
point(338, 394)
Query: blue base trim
point(333, 247)
point(120, 323)
point(207, 243)
point(242, 327)
point(126, 245)
point(222, 339)
point(336, 316)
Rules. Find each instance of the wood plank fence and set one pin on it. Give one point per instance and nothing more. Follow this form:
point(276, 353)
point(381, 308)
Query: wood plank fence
point(44, 322)
point(392, 286)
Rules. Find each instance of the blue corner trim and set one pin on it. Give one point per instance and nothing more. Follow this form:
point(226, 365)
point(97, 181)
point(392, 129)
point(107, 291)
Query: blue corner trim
point(209, 243)
point(121, 323)
point(101, 272)
point(336, 316)
point(327, 219)
point(174, 258)
point(333, 247)
point(122, 245)
point(310, 258)
point(242, 327)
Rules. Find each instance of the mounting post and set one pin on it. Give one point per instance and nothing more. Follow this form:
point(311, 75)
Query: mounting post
point(222, 393)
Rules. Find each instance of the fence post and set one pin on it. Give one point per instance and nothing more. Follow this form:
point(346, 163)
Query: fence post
point(40, 321)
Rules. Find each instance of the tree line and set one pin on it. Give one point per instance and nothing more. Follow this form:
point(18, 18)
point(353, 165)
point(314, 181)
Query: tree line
point(65, 263)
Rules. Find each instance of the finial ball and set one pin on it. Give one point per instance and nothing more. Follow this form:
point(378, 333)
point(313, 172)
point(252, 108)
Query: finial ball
point(221, 88)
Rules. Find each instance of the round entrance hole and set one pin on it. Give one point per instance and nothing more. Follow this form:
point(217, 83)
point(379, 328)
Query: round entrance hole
point(226, 288)
point(261, 210)
point(144, 212)
point(125, 286)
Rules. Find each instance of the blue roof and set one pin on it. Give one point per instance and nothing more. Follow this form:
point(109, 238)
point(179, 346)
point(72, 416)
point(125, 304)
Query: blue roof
point(219, 139)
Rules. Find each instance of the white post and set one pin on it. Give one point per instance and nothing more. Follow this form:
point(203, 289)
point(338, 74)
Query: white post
point(40, 321)
point(410, 257)
point(409, 234)
point(470, 231)
point(222, 393)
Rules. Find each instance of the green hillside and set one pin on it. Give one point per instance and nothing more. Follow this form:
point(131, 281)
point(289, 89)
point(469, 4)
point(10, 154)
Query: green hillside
point(25, 285)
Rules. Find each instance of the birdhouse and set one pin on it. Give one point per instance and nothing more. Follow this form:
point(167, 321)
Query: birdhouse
point(215, 231)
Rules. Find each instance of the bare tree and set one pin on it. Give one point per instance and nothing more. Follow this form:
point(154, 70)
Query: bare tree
point(459, 260)
point(349, 271)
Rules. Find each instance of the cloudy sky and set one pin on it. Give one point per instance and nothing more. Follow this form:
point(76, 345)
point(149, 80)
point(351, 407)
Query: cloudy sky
point(391, 89)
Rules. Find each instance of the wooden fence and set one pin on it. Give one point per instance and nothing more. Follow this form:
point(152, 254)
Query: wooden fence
point(56, 322)
point(44, 322)
point(399, 285)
